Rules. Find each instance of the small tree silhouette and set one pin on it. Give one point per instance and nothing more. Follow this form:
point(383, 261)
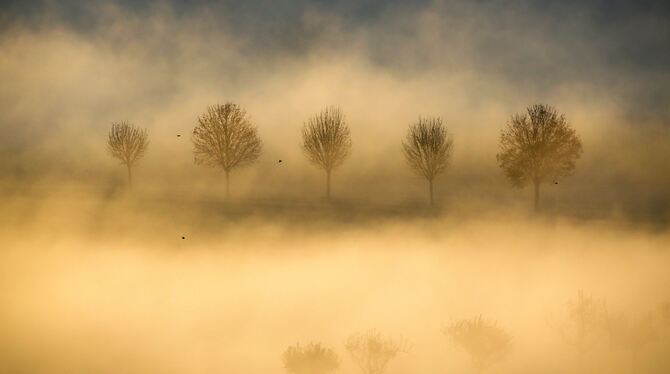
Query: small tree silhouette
point(584, 325)
point(127, 143)
point(428, 148)
point(310, 359)
point(538, 147)
point(225, 138)
point(326, 141)
point(485, 342)
point(371, 351)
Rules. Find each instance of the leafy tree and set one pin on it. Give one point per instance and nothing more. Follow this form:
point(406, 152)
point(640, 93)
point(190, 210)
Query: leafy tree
point(485, 341)
point(326, 141)
point(428, 148)
point(225, 138)
point(310, 359)
point(371, 351)
point(127, 143)
point(538, 147)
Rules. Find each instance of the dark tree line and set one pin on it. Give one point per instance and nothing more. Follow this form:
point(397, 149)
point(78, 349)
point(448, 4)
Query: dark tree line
point(536, 147)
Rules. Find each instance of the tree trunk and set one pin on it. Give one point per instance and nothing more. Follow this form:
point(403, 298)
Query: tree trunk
point(227, 184)
point(537, 196)
point(430, 190)
point(130, 178)
point(328, 185)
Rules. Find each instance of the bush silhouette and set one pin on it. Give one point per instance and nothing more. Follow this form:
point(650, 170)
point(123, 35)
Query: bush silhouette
point(371, 351)
point(310, 359)
point(485, 342)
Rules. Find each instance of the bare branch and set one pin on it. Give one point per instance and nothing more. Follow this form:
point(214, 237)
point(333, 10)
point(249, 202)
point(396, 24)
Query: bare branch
point(127, 143)
point(225, 138)
point(326, 139)
point(310, 359)
point(428, 147)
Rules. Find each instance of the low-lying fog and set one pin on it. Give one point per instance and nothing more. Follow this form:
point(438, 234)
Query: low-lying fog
point(128, 294)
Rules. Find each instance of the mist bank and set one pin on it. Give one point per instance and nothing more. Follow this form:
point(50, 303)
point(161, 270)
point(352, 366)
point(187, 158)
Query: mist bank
point(236, 301)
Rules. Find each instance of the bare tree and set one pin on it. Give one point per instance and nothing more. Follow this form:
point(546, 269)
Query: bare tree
point(327, 141)
point(428, 148)
point(538, 147)
point(225, 138)
point(372, 352)
point(485, 341)
point(310, 359)
point(127, 143)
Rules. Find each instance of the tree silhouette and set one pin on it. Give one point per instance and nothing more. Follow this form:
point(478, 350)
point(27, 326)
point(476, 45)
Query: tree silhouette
point(127, 143)
point(485, 342)
point(428, 148)
point(326, 141)
point(310, 359)
point(585, 324)
point(538, 147)
point(225, 138)
point(372, 352)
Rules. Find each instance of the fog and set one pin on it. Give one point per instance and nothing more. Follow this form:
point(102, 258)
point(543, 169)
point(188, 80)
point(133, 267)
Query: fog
point(172, 276)
point(232, 296)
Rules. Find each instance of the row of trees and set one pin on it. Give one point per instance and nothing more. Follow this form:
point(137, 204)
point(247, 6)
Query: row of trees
point(536, 147)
